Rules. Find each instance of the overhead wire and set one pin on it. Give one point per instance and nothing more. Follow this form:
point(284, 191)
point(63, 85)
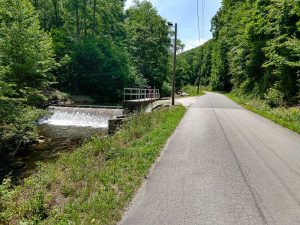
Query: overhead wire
point(203, 18)
point(203, 30)
point(198, 16)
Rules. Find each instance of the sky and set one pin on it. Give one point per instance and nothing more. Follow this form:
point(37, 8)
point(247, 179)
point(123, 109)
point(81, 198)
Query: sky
point(184, 12)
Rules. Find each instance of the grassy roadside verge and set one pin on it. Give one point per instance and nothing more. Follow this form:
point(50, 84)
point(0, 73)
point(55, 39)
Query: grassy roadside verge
point(192, 90)
point(93, 184)
point(286, 117)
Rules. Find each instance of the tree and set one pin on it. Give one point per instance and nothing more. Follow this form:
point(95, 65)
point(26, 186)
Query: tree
point(98, 68)
point(195, 65)
point(148, 42)
point(282, 51)
point(26, 55)
point(26, 61)
point(89, 37)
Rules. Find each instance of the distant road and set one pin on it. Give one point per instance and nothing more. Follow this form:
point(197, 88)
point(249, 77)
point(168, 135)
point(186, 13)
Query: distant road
point(224, 165)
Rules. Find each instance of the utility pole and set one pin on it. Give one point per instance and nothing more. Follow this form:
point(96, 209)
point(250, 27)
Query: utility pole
point(174, 69)
point(200, 68)
point(174, 65)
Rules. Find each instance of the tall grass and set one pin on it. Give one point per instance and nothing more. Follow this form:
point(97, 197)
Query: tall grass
point(93, 184)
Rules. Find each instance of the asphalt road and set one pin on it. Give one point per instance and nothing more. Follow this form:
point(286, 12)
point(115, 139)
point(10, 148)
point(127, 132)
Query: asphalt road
point(223, 165)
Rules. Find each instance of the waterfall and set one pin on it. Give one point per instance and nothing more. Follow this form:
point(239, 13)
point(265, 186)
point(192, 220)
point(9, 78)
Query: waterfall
point(81, 117)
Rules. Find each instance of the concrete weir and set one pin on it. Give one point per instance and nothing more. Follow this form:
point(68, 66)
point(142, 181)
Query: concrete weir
point(133, 106)
point(81, 117)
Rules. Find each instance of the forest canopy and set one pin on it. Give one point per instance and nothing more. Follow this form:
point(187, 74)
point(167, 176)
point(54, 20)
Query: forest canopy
point(255, 50)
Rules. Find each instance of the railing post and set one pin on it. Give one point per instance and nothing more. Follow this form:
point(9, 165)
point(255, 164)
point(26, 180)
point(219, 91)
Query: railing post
point(139, 95)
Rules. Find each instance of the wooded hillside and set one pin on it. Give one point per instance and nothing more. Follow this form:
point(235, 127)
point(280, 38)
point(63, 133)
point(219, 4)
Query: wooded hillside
point(255, 50)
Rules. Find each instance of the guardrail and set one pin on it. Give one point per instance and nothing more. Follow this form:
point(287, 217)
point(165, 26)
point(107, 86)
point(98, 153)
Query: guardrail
point(137, 94)
point(88, 106)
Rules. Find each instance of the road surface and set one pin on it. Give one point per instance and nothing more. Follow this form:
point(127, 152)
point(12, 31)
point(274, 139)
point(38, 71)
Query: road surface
point(223, 165)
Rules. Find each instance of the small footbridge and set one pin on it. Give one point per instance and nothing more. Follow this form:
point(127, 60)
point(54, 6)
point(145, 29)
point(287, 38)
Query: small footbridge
point(137, 98)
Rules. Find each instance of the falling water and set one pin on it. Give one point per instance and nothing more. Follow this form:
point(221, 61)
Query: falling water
point(81, 117)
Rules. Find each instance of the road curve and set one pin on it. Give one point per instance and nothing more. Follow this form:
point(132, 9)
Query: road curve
point(223, 165)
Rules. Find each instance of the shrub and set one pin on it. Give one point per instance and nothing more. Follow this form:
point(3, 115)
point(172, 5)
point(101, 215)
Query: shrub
point(166, 89)
point(17, 125)
point(274, 98)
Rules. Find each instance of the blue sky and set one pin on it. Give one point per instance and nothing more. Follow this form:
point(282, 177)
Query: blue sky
point(184, 12)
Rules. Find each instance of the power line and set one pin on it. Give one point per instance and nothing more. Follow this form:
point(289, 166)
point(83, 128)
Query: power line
point(198, 16)
point(201, 34)
point(203, 17)
point(202, 21)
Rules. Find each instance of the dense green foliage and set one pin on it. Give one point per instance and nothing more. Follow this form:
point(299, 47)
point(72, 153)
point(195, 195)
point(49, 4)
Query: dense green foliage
point(148, 42)
point(255, 50)
point(82, 47)
point(194, 66)
point(93, 184)
point(102, 49)
point(26, 62)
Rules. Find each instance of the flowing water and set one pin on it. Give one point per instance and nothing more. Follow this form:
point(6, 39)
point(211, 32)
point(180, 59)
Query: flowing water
point(64, 130)
point(81, 117)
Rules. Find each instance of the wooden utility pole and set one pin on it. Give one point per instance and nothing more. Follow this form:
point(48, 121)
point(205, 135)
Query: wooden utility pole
point(174, 69)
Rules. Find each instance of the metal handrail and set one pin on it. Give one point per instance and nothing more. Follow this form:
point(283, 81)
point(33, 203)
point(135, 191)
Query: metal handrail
point(140, 94)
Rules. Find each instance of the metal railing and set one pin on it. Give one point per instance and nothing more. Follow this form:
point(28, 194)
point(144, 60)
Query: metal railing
point(137, 94)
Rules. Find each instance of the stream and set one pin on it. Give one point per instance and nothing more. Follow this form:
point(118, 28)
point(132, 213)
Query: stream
point(63, 131)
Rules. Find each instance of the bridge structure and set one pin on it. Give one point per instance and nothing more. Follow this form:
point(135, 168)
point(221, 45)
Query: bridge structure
point(137, 98)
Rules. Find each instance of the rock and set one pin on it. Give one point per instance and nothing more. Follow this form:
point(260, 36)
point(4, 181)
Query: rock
point(160, 107)
point(183, 94)
point(115, 124)
point(41, 139)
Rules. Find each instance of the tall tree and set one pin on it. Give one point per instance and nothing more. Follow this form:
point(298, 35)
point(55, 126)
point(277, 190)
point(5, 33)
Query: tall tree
point(26, 61)
point(26, 54)
point(148, 42)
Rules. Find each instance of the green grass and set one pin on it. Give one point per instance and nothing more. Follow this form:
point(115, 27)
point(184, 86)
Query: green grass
point(192, 90)
point(288, 117)
point(93, 184)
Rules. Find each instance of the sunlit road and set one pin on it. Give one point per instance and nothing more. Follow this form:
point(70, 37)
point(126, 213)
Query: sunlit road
point(223, 165)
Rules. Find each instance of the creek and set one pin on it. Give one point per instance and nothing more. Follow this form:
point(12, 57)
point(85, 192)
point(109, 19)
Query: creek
point(64, 130)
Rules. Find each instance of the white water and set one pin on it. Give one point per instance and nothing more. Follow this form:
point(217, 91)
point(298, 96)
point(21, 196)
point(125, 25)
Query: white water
point(81, 117)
